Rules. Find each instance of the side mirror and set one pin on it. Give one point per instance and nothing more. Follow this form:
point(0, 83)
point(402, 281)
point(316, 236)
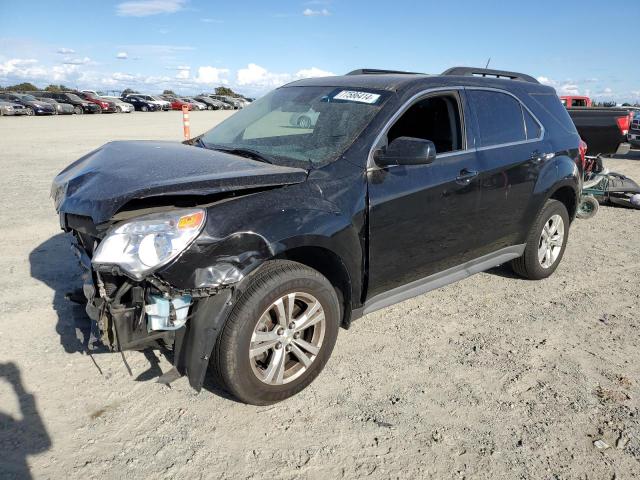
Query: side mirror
point(406, 151)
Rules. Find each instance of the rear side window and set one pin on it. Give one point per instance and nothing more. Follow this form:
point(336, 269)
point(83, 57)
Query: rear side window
point(499, 117)
point(551, 104)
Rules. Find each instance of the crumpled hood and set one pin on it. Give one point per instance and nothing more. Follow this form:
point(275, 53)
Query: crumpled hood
point(103, 181)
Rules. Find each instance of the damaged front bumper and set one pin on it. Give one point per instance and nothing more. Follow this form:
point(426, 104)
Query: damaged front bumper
point(134, 315)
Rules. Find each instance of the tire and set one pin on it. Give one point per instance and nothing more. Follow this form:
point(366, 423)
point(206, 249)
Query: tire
point(248, 369)
point(144, 108)
point(78, 110)
point(30, 111)
point(529, 265)
point(588, 207)
point(118, 109)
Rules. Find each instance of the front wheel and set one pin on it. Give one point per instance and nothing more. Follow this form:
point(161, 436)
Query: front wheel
point(30, 111)
point(280, 334)
point(78, 110)
point(144, 108)
point(546, 242)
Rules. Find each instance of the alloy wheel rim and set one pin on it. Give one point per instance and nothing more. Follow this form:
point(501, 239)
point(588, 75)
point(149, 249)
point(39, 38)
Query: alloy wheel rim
point(551, 241)
point(287, 338)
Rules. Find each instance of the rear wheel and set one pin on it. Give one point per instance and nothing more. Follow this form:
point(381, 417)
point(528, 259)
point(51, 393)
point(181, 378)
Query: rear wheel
point(280, 334)
point(545, 244)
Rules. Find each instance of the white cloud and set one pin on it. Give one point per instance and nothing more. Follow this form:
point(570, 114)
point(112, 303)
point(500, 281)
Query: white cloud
point(309, 12)
point(259, 77)
point(66, 51)
point(312, 72)
point(122, 55)
point(212, 75)
point(76, 61)
point(145, 8)
point(22, 68)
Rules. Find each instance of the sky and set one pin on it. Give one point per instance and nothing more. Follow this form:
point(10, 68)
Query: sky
point(580, 47)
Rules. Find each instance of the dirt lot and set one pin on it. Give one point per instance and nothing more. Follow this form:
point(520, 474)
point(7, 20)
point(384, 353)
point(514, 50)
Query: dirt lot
point(493, 377)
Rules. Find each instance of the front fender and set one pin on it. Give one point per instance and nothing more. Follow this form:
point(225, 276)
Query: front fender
point(236, 240)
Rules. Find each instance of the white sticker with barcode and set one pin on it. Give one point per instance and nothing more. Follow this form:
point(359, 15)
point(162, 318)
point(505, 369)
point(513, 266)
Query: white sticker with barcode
point(353, 96)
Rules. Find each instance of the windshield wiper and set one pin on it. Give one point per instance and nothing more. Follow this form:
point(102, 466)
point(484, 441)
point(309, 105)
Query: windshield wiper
point(242, 152)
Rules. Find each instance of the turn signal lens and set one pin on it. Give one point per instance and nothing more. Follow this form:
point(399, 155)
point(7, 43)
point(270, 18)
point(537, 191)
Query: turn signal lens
point(193, 220)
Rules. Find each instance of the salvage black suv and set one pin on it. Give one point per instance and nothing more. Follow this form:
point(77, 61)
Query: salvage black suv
point(245, 249)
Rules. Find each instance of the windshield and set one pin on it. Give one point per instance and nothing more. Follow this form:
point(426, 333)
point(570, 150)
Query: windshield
point(73, 97)
point(299, 124)
point(30, 98)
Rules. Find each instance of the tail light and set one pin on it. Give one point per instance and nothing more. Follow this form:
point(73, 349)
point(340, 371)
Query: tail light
point(624, 123)
point(583, 153)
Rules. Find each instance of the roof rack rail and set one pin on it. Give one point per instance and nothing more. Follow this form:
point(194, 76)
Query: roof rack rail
point(486, 72)
point(375, 71)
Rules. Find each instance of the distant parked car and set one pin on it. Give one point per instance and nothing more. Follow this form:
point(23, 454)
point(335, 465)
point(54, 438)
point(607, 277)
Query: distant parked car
point(223, 105)
point(228, 100)
point(80, 105)
point(142, 105)
point(61, 108)
point(105, 105)
point(177, 104)
point(195, 105)
point(13, 109)
point(121, 106)
point(209, 102)
point(161, 103)
point(30, 103)
point(166, 105)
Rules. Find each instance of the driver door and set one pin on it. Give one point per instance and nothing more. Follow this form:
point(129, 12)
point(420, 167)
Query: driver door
point(422, 217)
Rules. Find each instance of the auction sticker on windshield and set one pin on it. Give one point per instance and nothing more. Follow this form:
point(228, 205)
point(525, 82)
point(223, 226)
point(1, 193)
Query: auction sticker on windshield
point(353, 96)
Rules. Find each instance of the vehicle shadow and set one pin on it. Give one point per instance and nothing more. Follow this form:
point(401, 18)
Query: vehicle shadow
point(54, 264)
point(504, 271)
point(23, 436)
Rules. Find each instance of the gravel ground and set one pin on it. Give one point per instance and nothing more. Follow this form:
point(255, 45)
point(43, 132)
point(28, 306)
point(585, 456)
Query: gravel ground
point(492, 377)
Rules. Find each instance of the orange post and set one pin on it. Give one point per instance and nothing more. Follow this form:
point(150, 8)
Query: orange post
point(185, 122)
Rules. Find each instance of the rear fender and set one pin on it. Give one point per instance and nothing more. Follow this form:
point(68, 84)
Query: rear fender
point(558, 172)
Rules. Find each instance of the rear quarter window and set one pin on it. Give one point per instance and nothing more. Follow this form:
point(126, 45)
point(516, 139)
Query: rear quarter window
point(555, 110)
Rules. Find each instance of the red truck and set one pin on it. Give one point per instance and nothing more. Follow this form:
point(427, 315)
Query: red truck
point(604, 129)
point(575, 101)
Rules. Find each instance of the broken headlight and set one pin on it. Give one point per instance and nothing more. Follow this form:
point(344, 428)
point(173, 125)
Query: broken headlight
point(143, 244)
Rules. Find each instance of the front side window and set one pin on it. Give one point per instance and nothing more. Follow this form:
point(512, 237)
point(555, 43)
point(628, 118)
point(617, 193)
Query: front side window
point(436, 118)
point(500, 118)
point(299, 125)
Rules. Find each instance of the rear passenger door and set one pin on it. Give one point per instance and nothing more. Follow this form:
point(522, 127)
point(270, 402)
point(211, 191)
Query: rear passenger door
point(510, 149)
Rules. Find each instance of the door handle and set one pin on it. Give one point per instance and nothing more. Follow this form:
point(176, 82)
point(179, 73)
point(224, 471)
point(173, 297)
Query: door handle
point(466, 175)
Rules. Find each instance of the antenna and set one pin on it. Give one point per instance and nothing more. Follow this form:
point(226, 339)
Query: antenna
point(488, 62)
